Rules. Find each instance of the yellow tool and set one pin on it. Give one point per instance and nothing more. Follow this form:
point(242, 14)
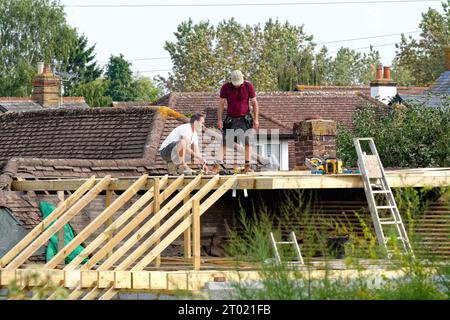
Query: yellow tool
point(333, 165)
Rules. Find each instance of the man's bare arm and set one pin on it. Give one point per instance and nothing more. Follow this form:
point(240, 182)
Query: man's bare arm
point(255, 106)
point(220, 108)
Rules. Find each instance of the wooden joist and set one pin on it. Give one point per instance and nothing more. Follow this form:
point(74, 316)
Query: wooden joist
point(268, 180)
point(62, 220)
point(40, 228)
point(97, 222)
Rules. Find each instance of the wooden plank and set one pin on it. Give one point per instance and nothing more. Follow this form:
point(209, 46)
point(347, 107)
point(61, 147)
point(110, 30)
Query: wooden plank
point(104, 236)
point(187, 234)
point(61, 232)
point(122, 280)
point(157, 213)
point(89, 278)
point(108, 201)
point(147, 227)
point(97, 222)
point(141, 280)
point(45, 223)
point(126, 230)
point(65, 218)
point(433, 177)
point(91, 295)
point(138, 252)
point(196, 233)
point(145, 261)
point(108, 295)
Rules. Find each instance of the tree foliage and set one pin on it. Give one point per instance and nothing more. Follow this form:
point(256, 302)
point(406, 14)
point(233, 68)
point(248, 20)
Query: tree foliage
point(414, 136)
point(122, 85)
point(275, 56)
point(423, 60)
point(30, 31)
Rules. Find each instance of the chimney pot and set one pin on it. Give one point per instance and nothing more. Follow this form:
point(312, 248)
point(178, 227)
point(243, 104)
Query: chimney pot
point(47, 69)
point(40, 67)
point(380, 72)
point(387, 73)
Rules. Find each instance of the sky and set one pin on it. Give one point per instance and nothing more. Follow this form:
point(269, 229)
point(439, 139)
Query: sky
point(140, 32)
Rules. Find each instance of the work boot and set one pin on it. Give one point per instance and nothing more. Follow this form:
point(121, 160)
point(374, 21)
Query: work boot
point(184, 169)
point(171, 168)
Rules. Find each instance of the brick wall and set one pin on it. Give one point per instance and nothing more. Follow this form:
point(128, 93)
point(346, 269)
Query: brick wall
point(314, 138)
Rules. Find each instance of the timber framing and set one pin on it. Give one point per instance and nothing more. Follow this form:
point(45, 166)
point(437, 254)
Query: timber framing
point(433, 177)
point(120, 256)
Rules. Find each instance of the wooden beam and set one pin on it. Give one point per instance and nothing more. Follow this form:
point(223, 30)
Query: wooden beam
point(145, 261)
point(97, 222)
point(61, 239)
point(433, 177)
point(156, 210)
point(108, 201)
point(139, 251)
point(62, 220)
point(196, 232)
point(104, 236)
point(187, 234)
point(46, 222)
point(130, 227)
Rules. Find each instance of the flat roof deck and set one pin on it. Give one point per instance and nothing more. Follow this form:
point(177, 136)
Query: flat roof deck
point(274, 180)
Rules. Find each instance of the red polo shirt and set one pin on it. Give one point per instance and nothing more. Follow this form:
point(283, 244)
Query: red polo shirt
point(237, 98)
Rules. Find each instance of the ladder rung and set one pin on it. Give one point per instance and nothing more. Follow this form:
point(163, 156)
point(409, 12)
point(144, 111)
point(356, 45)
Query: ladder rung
point(285, 242)
point(390, 222)
point(381, 191)
point(385, 207)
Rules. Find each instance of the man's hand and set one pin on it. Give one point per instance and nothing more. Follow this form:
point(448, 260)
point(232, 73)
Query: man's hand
point(256, 124)
point(220, 124)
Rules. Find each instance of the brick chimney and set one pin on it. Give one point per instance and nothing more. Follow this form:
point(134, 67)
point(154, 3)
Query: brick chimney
point(314, 137)
point(383, 88)
point(46, 87)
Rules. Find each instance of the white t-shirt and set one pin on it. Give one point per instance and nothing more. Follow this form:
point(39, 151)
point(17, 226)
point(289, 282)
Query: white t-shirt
point(185, 130)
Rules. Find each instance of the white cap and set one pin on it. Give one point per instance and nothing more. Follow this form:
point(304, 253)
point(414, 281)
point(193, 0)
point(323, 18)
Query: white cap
point(237, 78)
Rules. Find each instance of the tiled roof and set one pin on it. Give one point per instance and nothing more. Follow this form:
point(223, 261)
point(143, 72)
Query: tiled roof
point(80, 142)
point(412, 90)
point(437, 94)
point(441, 85)
point(101, 133)
point(17, 104)
point(280, 109)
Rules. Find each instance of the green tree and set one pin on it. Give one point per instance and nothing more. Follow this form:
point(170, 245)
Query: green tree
point(145, 89)
point(353, 68)
point(30, 31)
point(194, 62)
point(80, 64)
point(120, 79)
point(423, 59)
point(94, 92)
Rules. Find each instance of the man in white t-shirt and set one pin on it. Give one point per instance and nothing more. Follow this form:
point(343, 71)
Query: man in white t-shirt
point(182, 144)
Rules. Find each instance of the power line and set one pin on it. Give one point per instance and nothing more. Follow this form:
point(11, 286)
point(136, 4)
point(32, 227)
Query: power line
point(364, 38)
point(361, 48)
point(319, 43)
point(242, 4)
point(372, 46)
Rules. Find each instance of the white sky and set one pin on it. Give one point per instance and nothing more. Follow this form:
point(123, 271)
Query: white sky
point(141, 32)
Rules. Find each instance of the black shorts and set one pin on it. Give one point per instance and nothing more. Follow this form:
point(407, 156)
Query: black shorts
point(243, 124)
point(166, 153)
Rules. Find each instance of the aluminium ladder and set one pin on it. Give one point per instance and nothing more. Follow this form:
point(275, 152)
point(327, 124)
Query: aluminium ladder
point(385, 215)
point(296, 249)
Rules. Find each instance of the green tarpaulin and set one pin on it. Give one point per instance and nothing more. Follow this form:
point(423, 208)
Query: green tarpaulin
point(52, 249)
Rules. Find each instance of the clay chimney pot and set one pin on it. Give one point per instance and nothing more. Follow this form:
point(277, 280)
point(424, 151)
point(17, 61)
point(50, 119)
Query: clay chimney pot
point(387, 73)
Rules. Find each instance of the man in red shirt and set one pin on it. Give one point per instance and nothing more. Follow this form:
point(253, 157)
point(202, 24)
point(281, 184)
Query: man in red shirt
point(238, 93)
